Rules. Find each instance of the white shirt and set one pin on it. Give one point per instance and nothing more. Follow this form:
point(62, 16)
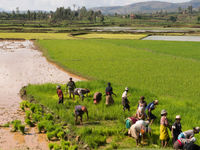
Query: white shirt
point(124, 95)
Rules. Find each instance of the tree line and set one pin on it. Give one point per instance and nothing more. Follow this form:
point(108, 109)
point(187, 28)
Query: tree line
point(59, 15)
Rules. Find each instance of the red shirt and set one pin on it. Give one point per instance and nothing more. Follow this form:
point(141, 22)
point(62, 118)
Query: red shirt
point(60, 93)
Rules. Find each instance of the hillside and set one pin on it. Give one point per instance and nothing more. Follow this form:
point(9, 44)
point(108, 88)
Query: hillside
point(147, 7)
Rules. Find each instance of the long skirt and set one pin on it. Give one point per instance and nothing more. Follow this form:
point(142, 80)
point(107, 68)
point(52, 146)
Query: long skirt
point(163, 133)
point(109, 100)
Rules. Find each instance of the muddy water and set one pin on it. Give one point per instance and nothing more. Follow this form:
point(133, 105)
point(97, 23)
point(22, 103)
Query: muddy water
point(21, 64)
point(174, 38)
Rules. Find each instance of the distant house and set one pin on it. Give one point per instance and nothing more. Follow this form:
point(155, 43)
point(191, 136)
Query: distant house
point(132, 16)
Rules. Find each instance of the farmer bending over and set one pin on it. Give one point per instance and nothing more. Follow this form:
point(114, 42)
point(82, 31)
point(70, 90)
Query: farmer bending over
point(79, 111)
point(176, 129)
point(109, 93)
point(60, 94)
point(80, 92)
point(189, 134)
point(71, 86)
point(97, 97)
point(125, 101)
point(150, 107)
point(179, 144)
point(138, 130)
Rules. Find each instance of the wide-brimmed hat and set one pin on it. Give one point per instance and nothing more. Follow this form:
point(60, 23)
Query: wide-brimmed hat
point(163, 112)
point(178, 117)
point(126, 89)
point(197, 129)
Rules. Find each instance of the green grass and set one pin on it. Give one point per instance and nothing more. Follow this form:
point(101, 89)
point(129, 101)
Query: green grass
point(40, 36)
point(168, 71)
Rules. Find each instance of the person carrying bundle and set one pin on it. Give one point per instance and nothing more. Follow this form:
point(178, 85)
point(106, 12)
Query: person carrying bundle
point(164, 135)
point(142, 104)
point(60, 94)
point(150, 107)
point(138, 130)
point(176, 129)
point(81, 92)
point(97, 97)
point(109, 93)
point(125, 101)
point(79, 111)
point(71, 86)
point(189, 134)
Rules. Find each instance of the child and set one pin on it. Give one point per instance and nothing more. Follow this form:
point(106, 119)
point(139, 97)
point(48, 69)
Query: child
point(176, 129)
point(164, 135)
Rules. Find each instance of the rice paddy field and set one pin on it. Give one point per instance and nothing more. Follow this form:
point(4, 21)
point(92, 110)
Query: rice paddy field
point(112, 36)
point(40, 36)
point(163, 70)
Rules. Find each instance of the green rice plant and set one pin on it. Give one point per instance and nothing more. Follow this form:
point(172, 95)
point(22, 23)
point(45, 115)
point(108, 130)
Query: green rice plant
point(48, 116)
point(32, 108)
point(29, 122)
point(51, 146)
point(51, 135)
point(37, 117)
point(16, 124)
point(22, 128)
point(61, 135)
point(28, 114)
point(24, 104)
point(6, 125)
point(57, 146)
point(74, 147)
point(65, 144)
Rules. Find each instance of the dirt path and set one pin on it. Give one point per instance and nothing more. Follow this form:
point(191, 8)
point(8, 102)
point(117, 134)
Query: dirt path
point(20, 65)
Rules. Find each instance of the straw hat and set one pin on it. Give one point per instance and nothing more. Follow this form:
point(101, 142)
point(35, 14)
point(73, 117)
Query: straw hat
point(156, 101)
point(126, 89)
point(163, 112)
point(197, 129)
point(178, 117)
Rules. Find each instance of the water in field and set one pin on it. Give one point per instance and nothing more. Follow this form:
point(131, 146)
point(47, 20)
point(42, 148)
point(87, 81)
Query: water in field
point(174, 38)
point(21, 64)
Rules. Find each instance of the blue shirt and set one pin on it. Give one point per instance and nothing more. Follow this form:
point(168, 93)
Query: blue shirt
point(150, 106)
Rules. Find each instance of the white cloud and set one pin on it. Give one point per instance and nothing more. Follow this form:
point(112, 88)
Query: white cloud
point(53, 4)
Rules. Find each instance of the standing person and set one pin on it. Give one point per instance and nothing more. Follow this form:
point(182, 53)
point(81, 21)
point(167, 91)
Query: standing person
point(109, 93)
point(138, 130)
point(60, 94)
point(150, 107)
point(79, 111)
point(142, 104)
point(71, 86)
point(97, 97)
point(176, 129)
point(125, 101)
point(164, 135)
point(189, 134)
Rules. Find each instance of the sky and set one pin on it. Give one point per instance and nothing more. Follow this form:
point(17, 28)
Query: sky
point(53, 4)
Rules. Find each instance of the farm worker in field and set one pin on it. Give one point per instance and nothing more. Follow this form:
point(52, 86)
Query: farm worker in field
point(189, 134)
point(138, 130)
point(179, 144)
point(125, 101)
point(79, 111)
point(97, 97)
point(60, 94)
point(130, 121)
point(81, 92)
point(142, 104)
point(191, 146)
point(71, 86)
point(109, 93)
point(164, 135)
point(150, 107)
point(176, 129)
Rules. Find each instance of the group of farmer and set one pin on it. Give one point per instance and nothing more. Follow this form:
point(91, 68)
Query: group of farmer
point(138, 125)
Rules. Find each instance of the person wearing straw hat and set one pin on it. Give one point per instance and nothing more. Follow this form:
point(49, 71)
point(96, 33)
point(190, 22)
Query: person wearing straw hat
point(60, 94)
point(125, 101)
point(138, 130)
point(164, 124)
point(176, 129)
point(189, 134)
point(79, 111)
point(150, 107)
